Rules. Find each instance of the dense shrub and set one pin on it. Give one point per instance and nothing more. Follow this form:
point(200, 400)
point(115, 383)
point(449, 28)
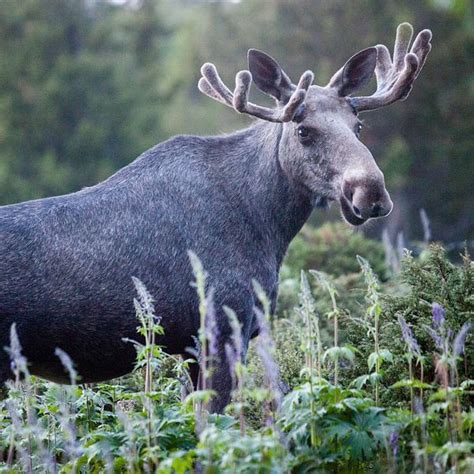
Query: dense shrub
point(331, 249)
point(432, 278)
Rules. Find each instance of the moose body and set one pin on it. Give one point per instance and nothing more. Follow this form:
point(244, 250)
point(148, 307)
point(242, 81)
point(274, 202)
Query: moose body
point(66, 279)
point(235, 200)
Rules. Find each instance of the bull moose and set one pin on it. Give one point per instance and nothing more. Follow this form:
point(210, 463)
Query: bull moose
point(235, 200)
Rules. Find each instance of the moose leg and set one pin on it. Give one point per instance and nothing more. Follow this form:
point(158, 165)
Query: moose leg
point(219, 376)
point(222, 375)
point(221, 380)
point(194, 374)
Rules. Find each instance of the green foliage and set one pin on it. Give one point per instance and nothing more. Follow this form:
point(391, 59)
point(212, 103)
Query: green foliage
point(226, 450)
point(348, 427)
point(331, 249)
point(77, 93)
point(362, 422)
point(86, 86)
point(432, 278)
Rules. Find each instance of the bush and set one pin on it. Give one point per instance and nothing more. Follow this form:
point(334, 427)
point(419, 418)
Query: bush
point(330, 248)
point(432, 278)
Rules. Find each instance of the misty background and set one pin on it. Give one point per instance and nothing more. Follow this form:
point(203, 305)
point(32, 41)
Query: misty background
point(88, 85)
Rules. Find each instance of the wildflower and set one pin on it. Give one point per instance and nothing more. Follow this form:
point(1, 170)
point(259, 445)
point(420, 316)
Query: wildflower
point(394, 442)
point(438, 340)
point(419, 409)
point(18, 361)
point(265, 350)
point(439, 316)
point(125, 406)
point(212, 330)
point(437, 329)
point(232, 359)
point(460, 340)
point(234, 349)
point(425, 222)
point(67, 363)
point(145, 300)
point(408, 337)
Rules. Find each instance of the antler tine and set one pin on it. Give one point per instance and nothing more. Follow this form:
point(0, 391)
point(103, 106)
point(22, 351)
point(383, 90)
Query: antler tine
point(395, 79)
point(402, 41)
point(206, 88)
point(398, 90)
point(422, 47)
point(298, 97)
point(383, 65)
point(212, 86)
point(243, 81)
point(284, 114)
point(209, 72)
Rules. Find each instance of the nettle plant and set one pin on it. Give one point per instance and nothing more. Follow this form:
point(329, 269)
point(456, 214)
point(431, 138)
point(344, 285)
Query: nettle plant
point(326, 422)
point(333, 423)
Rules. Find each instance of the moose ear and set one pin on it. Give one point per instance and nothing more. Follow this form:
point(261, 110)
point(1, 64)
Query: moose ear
point(356, 73)
point(269, 76)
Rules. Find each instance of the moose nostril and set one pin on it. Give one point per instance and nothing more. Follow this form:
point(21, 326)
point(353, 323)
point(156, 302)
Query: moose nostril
point(376, 208)
point(356, 211)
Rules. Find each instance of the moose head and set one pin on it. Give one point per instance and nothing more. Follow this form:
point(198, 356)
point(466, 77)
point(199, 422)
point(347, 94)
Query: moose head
point(319, 148)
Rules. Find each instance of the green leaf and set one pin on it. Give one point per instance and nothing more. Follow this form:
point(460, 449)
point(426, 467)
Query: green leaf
point(338, 353)
point(361, 381)
point(415, 383)
point(203, 396)
point(372, 360)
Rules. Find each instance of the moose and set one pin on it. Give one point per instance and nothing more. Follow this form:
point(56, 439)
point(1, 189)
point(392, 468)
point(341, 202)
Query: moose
point(235, 200)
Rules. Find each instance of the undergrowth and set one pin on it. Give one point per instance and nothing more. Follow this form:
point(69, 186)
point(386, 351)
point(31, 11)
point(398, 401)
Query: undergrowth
point(388, 386)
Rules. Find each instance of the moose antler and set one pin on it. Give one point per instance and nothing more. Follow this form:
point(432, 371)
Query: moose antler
point(211, 85)
point(395, 79)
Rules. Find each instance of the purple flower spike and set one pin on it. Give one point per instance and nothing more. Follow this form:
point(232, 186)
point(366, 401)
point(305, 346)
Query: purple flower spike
point(408, 336)
point(212, 329)
point(394, 442)
point(418, 406)
point(438, 340)
point(439, 316)
point(460, 340)
point(265, 349)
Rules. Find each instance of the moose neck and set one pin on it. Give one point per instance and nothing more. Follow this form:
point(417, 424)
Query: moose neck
point(277, 206)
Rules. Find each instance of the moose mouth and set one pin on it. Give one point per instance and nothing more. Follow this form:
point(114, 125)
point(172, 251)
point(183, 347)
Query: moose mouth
point(348, 213)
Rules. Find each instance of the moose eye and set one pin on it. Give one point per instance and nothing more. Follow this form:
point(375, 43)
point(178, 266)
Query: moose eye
point(304, 134)
point(359, 127)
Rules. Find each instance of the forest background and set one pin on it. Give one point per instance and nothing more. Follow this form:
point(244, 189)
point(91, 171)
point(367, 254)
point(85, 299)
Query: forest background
point(87, 85)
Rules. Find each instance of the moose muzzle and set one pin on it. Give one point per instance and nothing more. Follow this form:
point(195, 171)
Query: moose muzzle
point(364, 198)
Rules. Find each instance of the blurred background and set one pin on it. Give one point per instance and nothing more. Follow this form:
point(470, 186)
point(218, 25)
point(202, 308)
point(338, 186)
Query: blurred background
point(87, 85)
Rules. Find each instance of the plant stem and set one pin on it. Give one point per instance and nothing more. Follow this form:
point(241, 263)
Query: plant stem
point(319, 348)
point(241, 411)
point(422, 367)
point(377, 360)
point(336, 344)
point(458, 404)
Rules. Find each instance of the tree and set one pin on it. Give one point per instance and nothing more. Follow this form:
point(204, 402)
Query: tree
point(76, 93)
